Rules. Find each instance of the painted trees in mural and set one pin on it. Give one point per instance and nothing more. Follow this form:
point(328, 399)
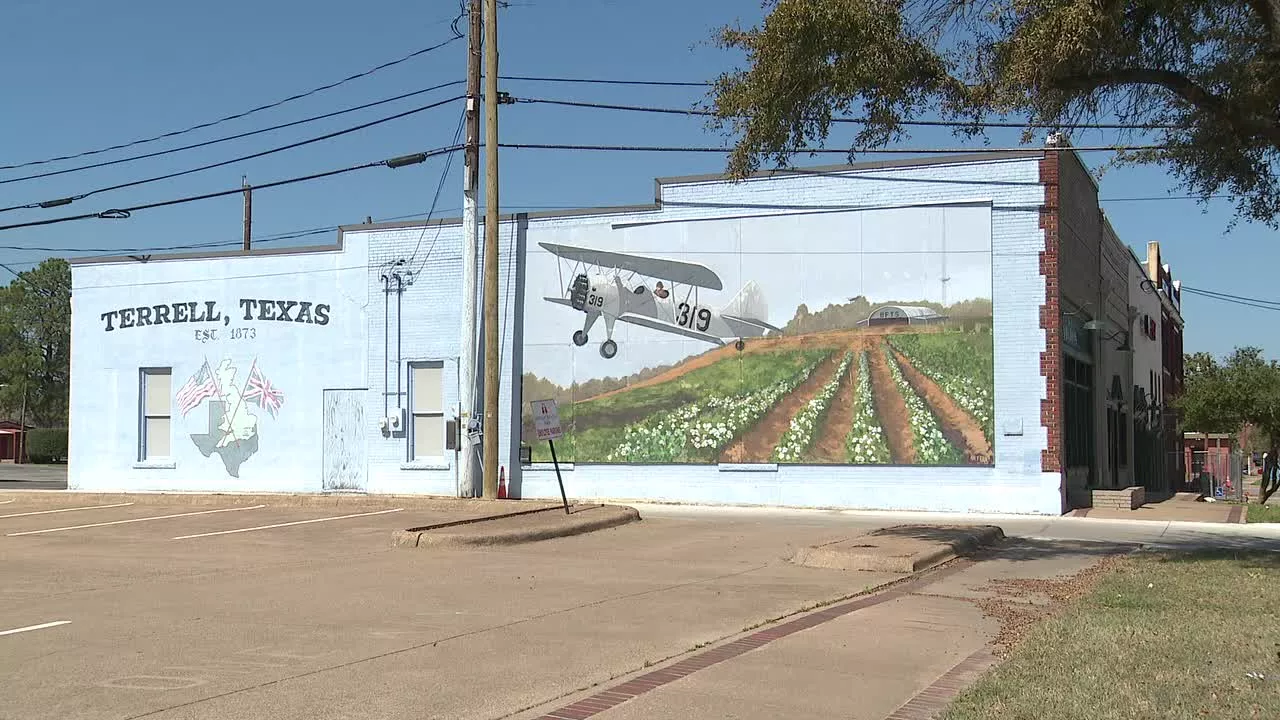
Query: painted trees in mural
point(232, 428)
point(887, 371)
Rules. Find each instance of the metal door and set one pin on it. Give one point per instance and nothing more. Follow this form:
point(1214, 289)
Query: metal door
point(345, 442)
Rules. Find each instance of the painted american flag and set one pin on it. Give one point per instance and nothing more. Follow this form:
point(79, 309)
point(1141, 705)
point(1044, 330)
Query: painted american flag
point(259, 390)
point(200, 387)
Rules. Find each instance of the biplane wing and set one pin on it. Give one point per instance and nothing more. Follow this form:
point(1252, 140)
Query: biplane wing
point(673, 271)
point(656, 324)
point(559, 301)
point(747, 327)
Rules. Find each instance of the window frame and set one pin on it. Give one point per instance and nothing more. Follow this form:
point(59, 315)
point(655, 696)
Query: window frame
point(413, 412)
point(145, 416)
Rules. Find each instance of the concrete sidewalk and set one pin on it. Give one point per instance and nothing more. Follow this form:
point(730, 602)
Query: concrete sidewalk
point(1065, 527)
point(901, 653)
point(1183, 507)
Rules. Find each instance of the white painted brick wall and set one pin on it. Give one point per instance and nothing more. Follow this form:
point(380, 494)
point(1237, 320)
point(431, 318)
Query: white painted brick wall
point(430, 329)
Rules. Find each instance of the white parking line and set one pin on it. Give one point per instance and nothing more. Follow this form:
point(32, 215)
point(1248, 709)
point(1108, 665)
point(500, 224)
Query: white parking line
point(46, 512)
point(134, 520)
point(29, 628)
point(279, 525)
point(5, 502)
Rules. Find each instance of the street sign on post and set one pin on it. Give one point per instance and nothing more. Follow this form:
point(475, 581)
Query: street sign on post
point(546, 425)
point(546, 420)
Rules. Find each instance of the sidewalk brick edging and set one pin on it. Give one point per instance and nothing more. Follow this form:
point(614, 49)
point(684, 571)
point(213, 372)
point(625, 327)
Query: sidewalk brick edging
point(618, 694)
point(928, 703)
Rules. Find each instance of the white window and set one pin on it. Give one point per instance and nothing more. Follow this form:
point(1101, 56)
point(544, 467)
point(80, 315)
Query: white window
point(154, 440)
point(426, 409)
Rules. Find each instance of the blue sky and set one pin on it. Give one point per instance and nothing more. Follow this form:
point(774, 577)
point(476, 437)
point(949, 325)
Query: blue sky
point(83, 74)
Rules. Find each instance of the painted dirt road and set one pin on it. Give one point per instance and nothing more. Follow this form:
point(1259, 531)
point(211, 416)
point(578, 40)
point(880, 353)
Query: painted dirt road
point(891, 409)
point(957, 425)
point(828, 339)
point(829, 447)
point(758, 443)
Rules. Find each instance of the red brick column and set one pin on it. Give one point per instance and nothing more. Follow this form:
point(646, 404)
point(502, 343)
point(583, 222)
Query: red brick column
point(1051, 317)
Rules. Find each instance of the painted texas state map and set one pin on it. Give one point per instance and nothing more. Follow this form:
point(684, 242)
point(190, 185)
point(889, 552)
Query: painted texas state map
point(232, 429)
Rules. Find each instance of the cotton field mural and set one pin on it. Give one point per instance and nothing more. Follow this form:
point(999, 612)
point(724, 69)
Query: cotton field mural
point(851, 338)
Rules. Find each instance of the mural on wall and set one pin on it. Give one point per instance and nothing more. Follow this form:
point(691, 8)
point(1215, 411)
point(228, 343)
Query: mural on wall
point(875, 346)
point(232, 430)
point(600, 290)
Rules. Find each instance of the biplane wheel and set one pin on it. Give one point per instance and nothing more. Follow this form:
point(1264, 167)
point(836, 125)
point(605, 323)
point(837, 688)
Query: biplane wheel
point(740, 345)
point(608, 349)
point(579, 338)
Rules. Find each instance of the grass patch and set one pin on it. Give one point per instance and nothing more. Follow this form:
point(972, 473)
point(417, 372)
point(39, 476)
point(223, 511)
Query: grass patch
point(1262, 513)
point(1162, 636)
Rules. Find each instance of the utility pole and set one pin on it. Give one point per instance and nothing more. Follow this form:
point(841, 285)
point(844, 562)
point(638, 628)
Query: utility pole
point(248, 210)
point(470, 252)
point(491, 340)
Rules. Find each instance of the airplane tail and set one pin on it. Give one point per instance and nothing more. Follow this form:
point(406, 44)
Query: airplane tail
point(749, 306)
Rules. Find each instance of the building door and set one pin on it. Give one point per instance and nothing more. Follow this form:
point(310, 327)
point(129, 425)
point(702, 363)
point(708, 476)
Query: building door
point(345, 458)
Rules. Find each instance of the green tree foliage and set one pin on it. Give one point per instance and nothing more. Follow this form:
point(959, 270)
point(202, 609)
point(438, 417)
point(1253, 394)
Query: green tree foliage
point(35, 343)
point(47, 445)
point(1224, 397)
point(1205, 74)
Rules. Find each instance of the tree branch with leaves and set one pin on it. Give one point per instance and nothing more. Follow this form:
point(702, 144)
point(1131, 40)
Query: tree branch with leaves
point(1201, 80)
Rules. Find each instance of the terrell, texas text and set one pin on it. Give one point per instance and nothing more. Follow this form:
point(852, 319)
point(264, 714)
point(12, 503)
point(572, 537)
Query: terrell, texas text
point(299, 311)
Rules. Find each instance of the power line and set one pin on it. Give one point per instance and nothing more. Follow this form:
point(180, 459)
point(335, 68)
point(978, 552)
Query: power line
point(134, 183)
point(1237, 299)
point(246, 113)
point(857, 120)
point(801, 151)
point(40, 289)
point(289, 273)
point(605, 81)
point(122, 213)
point(305, 232)
point(444, 175)
point(228, 138)
point(1150, 198)
point(238, 242)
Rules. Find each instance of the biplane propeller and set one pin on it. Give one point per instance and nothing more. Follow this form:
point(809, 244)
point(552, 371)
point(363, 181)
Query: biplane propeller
point(608, 287)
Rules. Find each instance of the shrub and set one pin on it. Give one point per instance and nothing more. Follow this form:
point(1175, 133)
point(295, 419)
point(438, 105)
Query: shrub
point(46, 445)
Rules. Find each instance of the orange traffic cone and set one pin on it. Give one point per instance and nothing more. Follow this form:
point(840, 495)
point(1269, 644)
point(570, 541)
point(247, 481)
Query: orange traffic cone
point(502, 482)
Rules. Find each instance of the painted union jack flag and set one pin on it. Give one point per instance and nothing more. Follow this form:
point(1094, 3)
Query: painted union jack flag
point(200, 387)
point(259, 390)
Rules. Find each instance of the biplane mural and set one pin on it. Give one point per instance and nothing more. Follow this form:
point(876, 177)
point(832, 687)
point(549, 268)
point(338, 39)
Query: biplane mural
point(605, 285)
point(873, 347)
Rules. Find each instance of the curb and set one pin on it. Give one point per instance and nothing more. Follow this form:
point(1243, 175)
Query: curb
point(943, 551)
point(305, 500)
point(612, 516)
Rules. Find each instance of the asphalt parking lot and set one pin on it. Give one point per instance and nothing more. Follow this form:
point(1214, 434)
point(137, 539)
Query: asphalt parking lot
point(114, 610)
point(129, 607)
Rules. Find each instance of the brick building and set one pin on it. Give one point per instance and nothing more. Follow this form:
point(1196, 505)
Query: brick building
point(730, 342)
